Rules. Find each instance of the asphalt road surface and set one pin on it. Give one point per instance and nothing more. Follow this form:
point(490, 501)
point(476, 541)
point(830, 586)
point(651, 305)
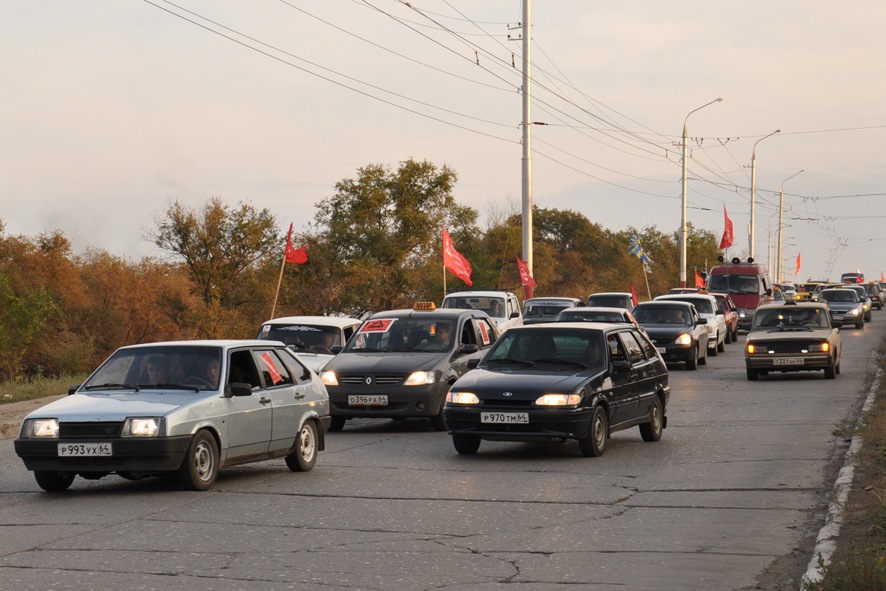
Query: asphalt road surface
point(730, 499)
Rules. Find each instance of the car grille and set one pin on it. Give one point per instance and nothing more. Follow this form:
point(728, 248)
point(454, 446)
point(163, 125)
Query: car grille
point(89, 430)
point(377, 379)
point(506, 404)
point(788, 346)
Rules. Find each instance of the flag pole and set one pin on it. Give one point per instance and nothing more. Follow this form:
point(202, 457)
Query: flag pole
point(279, 281)
point(646, 277)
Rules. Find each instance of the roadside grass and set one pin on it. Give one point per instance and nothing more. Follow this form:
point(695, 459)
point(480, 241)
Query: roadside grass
point(859, 562)
point(18, 391)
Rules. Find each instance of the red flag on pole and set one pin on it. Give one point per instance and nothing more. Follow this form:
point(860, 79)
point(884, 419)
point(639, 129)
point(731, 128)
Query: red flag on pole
point(298, 256)
point(726, 240)
point(882, 277)
point(699, 282)
point(797, 272)
point(525, 275)
point(454, 261)
point(634, 298)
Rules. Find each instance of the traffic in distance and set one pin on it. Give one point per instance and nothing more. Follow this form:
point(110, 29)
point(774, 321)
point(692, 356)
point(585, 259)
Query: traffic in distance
point(480, 366)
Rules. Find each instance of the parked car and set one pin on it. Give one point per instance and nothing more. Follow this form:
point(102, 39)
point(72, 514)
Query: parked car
point(613, 299)
point(709, 309)
point(400, 363)
point(537, 310)
point(501, 306)
point(730, 314)
point(559, 381)
point(185, 408)
point(844, 305)
point(793, 337)
point(676, 330)
point(314, 339)
point(597, 314)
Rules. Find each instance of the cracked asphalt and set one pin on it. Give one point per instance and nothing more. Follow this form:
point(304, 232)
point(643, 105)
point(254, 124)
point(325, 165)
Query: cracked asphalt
point(730, 499)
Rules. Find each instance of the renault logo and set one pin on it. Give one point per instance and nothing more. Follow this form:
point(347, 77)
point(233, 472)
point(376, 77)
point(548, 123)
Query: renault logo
point(507, 393)
point(368, 380)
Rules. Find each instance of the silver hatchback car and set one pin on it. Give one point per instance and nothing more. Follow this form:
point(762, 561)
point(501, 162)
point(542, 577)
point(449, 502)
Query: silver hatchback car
point(185, 408)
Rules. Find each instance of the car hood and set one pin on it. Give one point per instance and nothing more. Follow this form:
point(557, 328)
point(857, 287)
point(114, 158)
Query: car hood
point(843, 306)
point(521, 383)
point(385, 362)
point(788, 334)
point(662, 331)
point(116, 406)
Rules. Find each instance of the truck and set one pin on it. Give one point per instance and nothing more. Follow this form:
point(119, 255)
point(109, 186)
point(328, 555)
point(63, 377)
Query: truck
point(746, 282)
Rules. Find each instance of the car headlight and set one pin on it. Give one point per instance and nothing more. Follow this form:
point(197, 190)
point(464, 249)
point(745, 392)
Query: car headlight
point(684, 339)
point(147, 427)
point(558, 400)
point(462, 398)
point(820, 347)
point(328, 378)
point(420, 378)
point(44, 428)
point(751, 348)
point(853, 312)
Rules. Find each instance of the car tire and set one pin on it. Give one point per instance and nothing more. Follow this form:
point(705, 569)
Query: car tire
point(337, 423)
point(465, 444)
point(307, 446)
point(728, 339)
point(721, 345)
point(692, 362)
point(200, 466)
point(53, 481)
point(860, 325)
point(712, 351)
point(703, 360)
point(830, 372)
point(735, 335)
point(838, 368)
point(438, 422)
point(753, 375)
point(651, 431)
point(594, 444)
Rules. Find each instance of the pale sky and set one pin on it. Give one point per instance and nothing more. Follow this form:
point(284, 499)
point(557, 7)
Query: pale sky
point(111, 109)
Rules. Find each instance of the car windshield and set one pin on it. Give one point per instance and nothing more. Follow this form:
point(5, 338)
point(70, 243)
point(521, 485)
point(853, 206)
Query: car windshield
point(383, 335)
point(494, 307)
point(839, 295)
point(304, 337)
point(187, 368)
point(746, 284)
point(552, 350)
point(590, 316)
point(543, 310)
point(790, 317)
point(609, 301)
point(661, 314)
point(703, 306)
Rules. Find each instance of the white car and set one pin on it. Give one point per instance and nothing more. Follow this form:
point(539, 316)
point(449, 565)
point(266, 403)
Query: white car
point(501, 306)
point(708, 308)
point(314, 339)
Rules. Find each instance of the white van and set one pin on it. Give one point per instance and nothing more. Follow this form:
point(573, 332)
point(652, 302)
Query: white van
point(502, 306)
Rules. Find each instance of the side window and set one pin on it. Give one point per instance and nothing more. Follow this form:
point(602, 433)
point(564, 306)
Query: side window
point(274, 372)
point(242, 369)
point(616, 349)
point(635, 352)
point(300, 374)
point(647, 346)
point(484, 333)
point(349, 330)
point(468, 337)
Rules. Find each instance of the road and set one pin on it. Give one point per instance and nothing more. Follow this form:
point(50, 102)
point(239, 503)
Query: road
point(730, 499)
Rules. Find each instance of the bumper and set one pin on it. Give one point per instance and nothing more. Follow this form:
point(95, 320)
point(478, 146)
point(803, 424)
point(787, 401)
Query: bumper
point(675, 353)
point(130, 454)
point(403, 401)
point(542, 425)
point(778, 362)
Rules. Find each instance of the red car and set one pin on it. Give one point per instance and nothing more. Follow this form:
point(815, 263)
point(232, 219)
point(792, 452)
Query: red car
point(730, 311)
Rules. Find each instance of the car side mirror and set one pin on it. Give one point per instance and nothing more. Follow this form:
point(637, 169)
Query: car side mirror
point(238, 389)
point(335, 349)
point(621, 366)
point(701, 321)
point(836, 323)
point(769, 291)
point(515, 315)
point(473, 363)
point(73, 389)
point(467, 349)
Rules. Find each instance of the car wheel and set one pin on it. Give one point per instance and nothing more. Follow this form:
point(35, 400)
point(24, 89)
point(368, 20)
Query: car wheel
point(838, 367)
point(337, 423)
point(728, 339)
point(200, 467)
point(830, 372)
point(53, 481)
point(465, 444)
point(712, 351)
point(651, 431)
point(703, 360)
point(306, 447)
point(735, 335)
point(860, 324)
point(438, 423)
point(598, 435)
point(692, 362)
point(753, 374)
point(721, 345)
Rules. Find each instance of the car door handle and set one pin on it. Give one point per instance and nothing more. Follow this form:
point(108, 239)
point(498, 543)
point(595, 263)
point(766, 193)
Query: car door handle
point(299, 395)
point(264, 400)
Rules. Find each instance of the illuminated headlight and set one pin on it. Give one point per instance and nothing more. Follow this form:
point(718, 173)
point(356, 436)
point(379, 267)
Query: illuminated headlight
point(558, 400)
point(328, 378)
point(820, 347)
point(742, 313)
point(419, 378)
point(141, 428)
point(751, 348)
point(853, 312)
point(45, 428)
point(462, 398)
point(684, 339)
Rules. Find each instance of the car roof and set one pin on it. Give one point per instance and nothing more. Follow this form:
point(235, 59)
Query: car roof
point(225, 343)
point(557, 326)
point(439, 313)
point(579, 309)
point(789, 305)
point(684, 296)
point(557, 300)
point(479, 293)
point(668, 302)
point(612, 293)
point(337, 321)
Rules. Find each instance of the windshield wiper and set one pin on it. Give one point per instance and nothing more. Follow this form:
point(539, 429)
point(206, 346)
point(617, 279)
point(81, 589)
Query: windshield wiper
point(507, 361)
point(552, 361)
point(112, 387)
point(363, 350)
point(165, 387)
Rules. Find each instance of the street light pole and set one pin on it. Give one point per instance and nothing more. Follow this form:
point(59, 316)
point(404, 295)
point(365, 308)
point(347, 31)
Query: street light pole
point(754, 190)
point(683, 230)
point(781, 225)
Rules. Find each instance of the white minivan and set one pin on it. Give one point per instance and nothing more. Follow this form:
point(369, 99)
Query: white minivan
point(502, 306)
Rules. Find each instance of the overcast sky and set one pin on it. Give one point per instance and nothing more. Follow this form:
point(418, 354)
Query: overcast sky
point(112, 109)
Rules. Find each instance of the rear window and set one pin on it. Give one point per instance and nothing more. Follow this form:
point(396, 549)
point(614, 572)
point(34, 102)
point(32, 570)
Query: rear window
point(609, 301)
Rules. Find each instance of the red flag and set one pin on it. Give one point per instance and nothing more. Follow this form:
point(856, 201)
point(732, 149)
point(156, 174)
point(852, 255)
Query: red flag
point(726, 240)
point(882, 277)
point(454, 261)
point(525, 275)
point(797, 272)
point(299, 256)
point(699, 282)
point(634, 299)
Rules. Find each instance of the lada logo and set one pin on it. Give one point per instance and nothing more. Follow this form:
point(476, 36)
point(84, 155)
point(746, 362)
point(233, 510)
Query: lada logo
point(368, 380)
point(507, 393)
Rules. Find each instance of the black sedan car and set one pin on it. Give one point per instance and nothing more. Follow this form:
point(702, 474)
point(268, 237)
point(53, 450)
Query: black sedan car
point(560, 381)
point(676, 330)
point(400, 363)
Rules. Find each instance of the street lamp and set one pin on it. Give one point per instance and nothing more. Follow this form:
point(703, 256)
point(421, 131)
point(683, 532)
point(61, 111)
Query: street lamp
point(781, 224)
point(683, 230)
point(754, 189)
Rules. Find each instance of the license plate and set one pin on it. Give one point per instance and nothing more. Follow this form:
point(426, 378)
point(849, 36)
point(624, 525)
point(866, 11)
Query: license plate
point(84, 449)
point(662, 350)
point(788, 361)
point(508, 418)
point(368, 400)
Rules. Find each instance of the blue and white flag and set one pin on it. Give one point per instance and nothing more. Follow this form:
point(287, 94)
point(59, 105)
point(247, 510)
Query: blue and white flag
point(636, 249)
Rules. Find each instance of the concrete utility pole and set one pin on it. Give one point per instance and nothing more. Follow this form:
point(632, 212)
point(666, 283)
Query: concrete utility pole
point(527, 153)
point(754, 191)
point(778, 277)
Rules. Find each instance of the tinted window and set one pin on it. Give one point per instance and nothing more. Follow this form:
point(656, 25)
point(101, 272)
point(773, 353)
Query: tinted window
point(663, 314)
point(634, 351)
point(155, 366)
point(609, 301)
point(273, 370)
point(545, 348)
point(303, 337)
